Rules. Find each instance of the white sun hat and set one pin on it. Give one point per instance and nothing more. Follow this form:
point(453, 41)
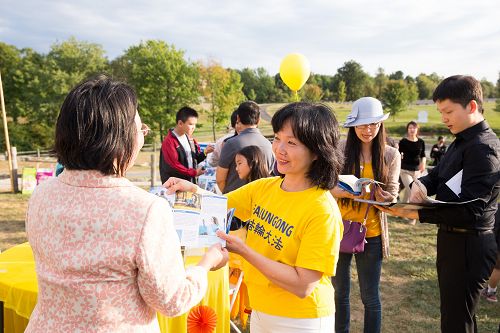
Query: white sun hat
point(366, 110)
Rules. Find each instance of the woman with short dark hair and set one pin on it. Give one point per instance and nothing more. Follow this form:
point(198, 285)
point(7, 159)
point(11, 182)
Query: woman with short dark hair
point(107, 255)
point(294, 225)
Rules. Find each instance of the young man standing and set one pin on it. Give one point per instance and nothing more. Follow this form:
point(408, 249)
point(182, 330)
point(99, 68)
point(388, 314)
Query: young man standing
point(470, 169)
point(180, 153)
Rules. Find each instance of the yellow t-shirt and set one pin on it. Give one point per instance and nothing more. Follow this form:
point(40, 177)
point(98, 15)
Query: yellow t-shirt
point(358, 213)
point(301, 229)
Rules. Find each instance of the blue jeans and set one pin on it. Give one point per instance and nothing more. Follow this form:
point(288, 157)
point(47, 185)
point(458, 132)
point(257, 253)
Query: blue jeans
point(369, 266)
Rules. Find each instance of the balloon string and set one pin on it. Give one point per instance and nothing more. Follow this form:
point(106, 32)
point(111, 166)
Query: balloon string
point(296, 96)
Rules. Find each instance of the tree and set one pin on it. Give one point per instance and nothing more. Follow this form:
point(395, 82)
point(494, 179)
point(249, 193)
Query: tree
point(163, 79)
point(354, 78)
point(258, 81)
point(488, 89)
point(497, 102)
point(395, 97)
point(412, 89)
point(10, 58)
point(281, 91)
point(398, 75)
point(39, 83)
point(380, 82)
point(311, 93)
point(67, 64)
point(425, 86)
point(341, 92)
point(251, 95)
point(324, 82)
point(222, 89)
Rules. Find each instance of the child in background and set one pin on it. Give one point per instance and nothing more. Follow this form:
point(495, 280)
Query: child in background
point(251, 164)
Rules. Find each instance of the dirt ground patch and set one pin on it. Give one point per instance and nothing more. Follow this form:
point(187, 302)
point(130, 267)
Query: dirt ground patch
point(12, 214)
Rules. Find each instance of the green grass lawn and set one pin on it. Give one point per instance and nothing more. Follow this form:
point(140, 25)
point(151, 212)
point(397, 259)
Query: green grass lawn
point(410, 298)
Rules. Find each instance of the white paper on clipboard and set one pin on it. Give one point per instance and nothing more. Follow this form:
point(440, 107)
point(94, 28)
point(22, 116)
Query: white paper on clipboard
point(455, 183)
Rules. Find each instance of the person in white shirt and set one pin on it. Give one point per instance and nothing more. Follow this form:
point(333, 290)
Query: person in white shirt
point(180, 153)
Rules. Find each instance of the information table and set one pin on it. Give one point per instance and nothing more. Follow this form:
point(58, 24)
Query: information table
point(19, 290)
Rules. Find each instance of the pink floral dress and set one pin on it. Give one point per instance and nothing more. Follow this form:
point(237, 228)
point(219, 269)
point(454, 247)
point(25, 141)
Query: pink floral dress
point(107, 257)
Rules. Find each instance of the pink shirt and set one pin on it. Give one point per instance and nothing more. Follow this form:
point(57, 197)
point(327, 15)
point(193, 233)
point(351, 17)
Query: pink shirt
point(107, 257)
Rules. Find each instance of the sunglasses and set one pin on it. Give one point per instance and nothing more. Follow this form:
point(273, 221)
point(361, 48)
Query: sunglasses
point(371, 126)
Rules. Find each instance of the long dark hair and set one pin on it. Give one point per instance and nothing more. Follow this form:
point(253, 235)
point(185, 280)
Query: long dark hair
point(256, 162)
point(317, 128)
point(352, 162)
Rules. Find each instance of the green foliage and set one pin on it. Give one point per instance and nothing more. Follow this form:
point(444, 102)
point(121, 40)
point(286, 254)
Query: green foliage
point(67, 64)
point(497, 102)
point(497, 105)
point(163, 79)
point(426, 85)
point(251, 95)
point(398, 75)
point(412, 91)
point(258, 85)
point(380, 81)
point(341, 92)
point(282, 93)
point(311, 93)
point(222, 89)
point(37, 85)
point(395, 97)
point(488, 89)
point(354, 77)
point(324, 82)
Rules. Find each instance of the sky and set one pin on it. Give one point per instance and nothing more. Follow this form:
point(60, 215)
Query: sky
point(415, 36)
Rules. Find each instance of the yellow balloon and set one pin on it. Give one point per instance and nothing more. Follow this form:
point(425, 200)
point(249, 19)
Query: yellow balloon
point(295, 70)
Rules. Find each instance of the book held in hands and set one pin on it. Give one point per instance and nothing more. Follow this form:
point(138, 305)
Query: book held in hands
point(354, 185)
point(196, 217)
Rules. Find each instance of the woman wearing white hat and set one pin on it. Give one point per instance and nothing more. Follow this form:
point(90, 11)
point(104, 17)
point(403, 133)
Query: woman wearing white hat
point(366, 155)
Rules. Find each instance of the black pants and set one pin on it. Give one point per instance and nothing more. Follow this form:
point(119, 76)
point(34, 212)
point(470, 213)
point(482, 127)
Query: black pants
point(464, 264)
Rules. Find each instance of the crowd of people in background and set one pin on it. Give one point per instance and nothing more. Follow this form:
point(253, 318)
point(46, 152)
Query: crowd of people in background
point(286, 194)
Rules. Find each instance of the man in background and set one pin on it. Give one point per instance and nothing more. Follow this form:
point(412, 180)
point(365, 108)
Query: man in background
point(247, 120)
point(180, 153)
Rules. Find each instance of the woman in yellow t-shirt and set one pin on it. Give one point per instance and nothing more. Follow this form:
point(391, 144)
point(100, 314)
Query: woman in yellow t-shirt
point(294, 224)
point(366, 155)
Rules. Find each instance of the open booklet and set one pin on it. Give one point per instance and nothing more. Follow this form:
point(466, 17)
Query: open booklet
point(428, 203)
point(207, 181)
point(354, 185)
point(197, 217)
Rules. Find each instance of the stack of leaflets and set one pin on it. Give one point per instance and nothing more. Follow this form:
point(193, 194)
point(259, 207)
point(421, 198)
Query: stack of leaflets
point(207, 181)
point(354, 185)
point(196, 217)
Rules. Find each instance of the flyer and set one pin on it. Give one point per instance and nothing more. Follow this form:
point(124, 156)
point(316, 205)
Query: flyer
point(196, 217)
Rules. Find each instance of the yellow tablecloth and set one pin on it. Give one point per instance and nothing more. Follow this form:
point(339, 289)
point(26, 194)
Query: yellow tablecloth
point(19, 289)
